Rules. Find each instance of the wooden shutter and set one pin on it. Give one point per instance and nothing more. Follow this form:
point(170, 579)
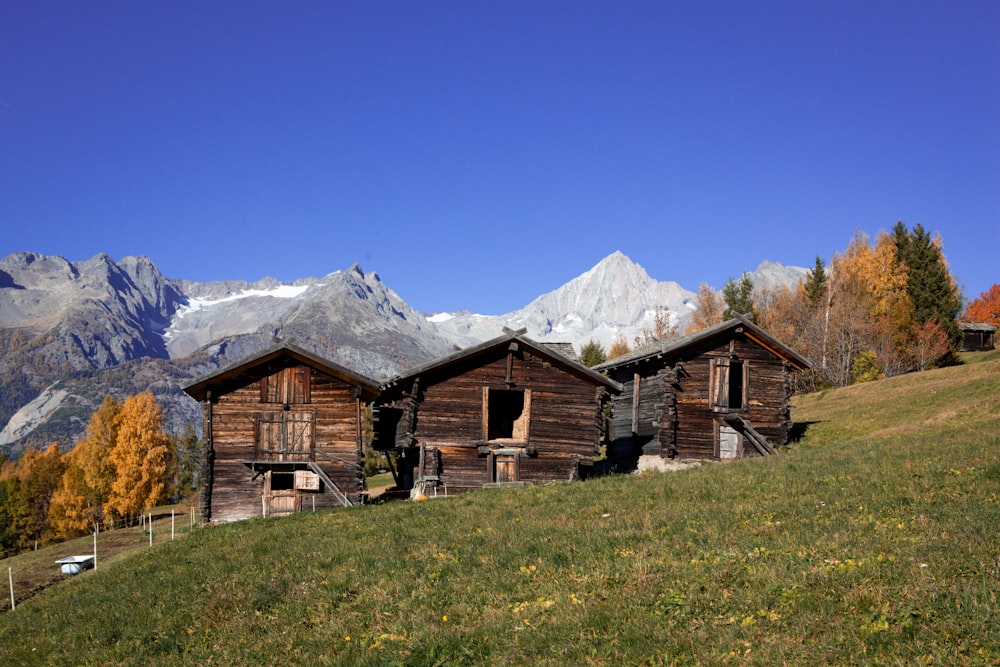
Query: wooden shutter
point(298, 436)
point(285, 436)
point(720, 384)
point(297, 384)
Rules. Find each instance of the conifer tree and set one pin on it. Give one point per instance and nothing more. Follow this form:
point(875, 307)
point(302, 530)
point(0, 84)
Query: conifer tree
point(592, 353)
point(815, 283)
point(738, 295)
point(930, 285)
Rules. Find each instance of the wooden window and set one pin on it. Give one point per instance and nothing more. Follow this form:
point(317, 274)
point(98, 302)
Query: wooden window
point(506, 414)
point(728, 390)
point(288, 386)
point(285, 436)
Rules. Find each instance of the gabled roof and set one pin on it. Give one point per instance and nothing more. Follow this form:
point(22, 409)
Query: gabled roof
point(977, 326)
point(249, 370)
point(671, 347)
point(504, 342)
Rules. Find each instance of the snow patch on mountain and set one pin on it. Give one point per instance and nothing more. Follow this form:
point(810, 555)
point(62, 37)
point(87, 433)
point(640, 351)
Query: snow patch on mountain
point(279, 292)
point(204, 319)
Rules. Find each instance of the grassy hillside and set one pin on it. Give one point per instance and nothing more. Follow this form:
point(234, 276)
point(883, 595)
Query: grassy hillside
point(874, 541)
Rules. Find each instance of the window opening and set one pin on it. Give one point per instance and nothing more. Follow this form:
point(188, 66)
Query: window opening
point(728, 385)
point(507, 415)
point(282, 481)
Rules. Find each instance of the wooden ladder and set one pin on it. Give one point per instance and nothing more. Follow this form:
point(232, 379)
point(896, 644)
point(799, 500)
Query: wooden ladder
point(330, 486)
point(755, 438)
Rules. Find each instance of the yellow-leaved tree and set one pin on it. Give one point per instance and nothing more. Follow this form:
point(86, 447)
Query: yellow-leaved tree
point(141, 457)
point(78, 504)
point(709, 310)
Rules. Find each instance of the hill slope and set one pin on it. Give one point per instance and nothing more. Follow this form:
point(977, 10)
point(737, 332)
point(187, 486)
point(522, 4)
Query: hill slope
point(872, 542)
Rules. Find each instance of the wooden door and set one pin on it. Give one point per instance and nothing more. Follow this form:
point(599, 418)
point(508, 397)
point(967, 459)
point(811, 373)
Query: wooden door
point(282, 502)
point(280, 496)
point(505, 468)
point(730, 442)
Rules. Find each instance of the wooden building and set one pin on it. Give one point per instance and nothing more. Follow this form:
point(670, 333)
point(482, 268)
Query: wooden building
point(508, 411)
point(721, 393)
point(977, 336)
point(284, 431)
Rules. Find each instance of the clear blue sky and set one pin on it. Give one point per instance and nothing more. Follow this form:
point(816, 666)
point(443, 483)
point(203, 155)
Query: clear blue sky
point(479, 154)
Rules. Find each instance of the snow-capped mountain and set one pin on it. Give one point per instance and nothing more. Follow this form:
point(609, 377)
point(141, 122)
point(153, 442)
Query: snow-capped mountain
point(771, 275)
point(614, 298)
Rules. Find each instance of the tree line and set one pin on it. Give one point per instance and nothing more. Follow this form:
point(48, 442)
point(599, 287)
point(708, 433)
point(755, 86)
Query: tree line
point(125, 465)
point(882, 307)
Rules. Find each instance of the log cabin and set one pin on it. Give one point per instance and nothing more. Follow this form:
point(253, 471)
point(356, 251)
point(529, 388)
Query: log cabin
point(506, 412)
point(284, 431)
point(721, 393)
point(977, 336)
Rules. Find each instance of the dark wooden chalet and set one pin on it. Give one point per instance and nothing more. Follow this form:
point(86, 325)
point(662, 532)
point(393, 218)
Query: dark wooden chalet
point(284, 431)
point(977, 336)
point(721, 393)
point(508, 411)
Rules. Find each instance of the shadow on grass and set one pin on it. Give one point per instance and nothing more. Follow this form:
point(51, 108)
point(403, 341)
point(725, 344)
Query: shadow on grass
point(798, 431)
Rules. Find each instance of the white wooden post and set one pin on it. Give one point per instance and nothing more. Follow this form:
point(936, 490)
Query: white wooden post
point(150, 529)
point(10, 578)
point(171, 524)
point(95, 549)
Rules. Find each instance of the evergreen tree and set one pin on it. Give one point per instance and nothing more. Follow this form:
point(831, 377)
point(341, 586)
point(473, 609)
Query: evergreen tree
point(592, 353)
point(930, 285)
point(815, 284)
point(185, 463)
point(738, 295)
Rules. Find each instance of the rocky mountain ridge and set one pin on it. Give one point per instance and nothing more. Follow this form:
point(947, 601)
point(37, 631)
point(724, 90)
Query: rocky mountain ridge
point(72, 332)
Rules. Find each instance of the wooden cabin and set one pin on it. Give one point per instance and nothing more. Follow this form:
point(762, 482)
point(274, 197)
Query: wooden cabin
point(284, 431)
point(506, 412)
point(977, 336)
point(721, 393)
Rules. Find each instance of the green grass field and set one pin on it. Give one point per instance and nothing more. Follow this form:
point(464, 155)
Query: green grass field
point(873, 541)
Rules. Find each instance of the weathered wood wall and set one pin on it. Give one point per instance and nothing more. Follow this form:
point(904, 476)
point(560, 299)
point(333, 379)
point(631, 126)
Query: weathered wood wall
point(674, 411)
point(234, 493)
point(563, 430)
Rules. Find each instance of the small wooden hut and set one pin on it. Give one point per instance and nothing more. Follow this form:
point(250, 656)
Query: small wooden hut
point(721, 393)
point(284, 431)
point(506, 412)
point(977, 336)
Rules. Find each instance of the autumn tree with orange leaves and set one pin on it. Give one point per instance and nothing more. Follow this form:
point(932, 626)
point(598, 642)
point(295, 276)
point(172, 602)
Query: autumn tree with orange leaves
point(985, 308)
point(141, 456)
point(78, 504)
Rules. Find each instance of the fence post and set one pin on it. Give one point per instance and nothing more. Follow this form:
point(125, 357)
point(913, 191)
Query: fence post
point(10, 578)
point(150, 529)
point(171, 524)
